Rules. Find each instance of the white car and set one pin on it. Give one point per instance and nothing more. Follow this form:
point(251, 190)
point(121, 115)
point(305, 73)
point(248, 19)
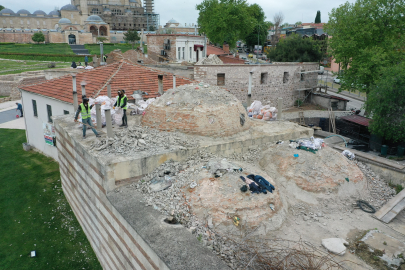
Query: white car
point(336, 80)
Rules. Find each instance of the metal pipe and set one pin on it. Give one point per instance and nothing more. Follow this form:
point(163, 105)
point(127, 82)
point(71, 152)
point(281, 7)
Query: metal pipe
point(83, 84)
point(160, 84)
point(102, 54)
point(75, 102)
point(98, 116)
point(110, 133)
point(174, 81)
point(109, 90)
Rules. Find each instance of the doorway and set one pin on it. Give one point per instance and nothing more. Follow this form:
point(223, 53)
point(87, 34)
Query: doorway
point(72, 39)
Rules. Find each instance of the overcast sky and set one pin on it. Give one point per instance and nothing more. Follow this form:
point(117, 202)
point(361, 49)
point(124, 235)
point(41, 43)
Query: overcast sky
point(184, 10)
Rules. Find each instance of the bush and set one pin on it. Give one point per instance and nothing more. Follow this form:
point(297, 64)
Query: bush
point(51, 65)
point(7, 43)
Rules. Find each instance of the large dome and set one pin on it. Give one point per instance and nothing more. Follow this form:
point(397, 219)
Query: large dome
point(172, 21)
point(54, 12)
point(69, 7)
point(64, 21)
point(94, 18)
point(7, 11)
point(198, 109)
point(23, 11)
point(39, 12)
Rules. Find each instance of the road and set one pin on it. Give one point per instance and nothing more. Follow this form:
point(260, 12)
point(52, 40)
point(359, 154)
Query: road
point(9, 115)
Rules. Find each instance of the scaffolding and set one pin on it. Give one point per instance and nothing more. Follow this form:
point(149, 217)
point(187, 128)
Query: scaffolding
point(152, 19)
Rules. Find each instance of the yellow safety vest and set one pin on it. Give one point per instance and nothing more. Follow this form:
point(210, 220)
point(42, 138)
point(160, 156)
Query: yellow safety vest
point(85, 113)
point(121, 102)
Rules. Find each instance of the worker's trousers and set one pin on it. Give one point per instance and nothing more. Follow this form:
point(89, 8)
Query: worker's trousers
point(88, 122)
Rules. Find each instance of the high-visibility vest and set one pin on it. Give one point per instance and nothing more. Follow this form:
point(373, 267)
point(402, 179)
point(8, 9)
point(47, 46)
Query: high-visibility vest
point(121, 101)
point(85, 113)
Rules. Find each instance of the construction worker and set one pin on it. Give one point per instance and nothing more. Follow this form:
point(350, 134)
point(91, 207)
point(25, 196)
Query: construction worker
point(84, 109)
point(104, 58)
point(122, 103)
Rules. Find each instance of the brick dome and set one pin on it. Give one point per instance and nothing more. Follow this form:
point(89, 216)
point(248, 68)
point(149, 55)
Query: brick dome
point(197, 109)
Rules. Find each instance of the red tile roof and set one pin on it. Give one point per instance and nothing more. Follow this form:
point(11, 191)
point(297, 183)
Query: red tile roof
point(361, 120)
point(120, 75)
point(214, 50)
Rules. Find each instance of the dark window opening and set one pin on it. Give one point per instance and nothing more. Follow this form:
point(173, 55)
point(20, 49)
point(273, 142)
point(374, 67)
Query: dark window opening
point(65, 112)
point(302, 76)
point(221, 79)
point(285, 77)
point(34, 107)
point(264, 77)
point(49, 110)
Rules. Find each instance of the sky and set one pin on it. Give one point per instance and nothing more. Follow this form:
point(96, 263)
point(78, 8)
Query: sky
point(184, 10)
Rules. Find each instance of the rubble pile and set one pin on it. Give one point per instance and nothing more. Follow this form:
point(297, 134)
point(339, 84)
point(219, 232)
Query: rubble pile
point(137, 138)
point(212, 59)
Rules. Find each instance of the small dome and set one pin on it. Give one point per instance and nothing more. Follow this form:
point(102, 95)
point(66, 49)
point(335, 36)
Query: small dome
point(64, 21)
point(69, 7)
point(23, 11)
point(39, 12)
point(7, 11)
point(94, 18)
point(54, 12)
point(172, 21)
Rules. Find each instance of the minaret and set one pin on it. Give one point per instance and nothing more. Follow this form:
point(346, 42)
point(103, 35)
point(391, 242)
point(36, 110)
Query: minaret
point(84, 8)
point(148, 5)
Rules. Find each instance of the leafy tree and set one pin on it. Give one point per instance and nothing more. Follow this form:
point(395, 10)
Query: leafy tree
point(131, 36)
point(225, 20)
point(318, 17)
point(102, 39)
point(1, 7)
point(368, 36)
point(38, 37)
point(152, 28)
point(294, 48)
point(386, 104)
point(260, 31)
point(285, 25)
point(298, 23)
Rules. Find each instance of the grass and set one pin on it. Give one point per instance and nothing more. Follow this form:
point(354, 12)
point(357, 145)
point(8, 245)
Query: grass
point(398, 188)
point(35, 214)
point(9, 66)
point(95, 48)
point(51, 48)
point(3, 96)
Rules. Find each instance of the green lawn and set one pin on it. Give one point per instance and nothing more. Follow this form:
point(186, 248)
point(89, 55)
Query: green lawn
point(51, 48)
point(95, 48)
point(34, 213)
point(14, 67)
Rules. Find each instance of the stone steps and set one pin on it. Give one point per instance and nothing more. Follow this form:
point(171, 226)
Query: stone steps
point(79, 49)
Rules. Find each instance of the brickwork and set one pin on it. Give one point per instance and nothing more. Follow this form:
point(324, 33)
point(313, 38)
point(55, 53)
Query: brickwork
point(155, 46)
point(132, 55)
point(273, 86)
point(19, 37)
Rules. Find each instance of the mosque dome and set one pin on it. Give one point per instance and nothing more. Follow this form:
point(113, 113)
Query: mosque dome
point(54, 12)
point(94, 18)
point(7, 11)
point(64, 21)
point(69, 7)
point(23, 11)
point(39, 12)
point(172, 21)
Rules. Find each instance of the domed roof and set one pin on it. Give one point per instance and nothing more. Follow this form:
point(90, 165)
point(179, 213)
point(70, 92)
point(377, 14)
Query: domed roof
point(64, 21)
point(39, 12)
point(197, 109)
point(172, 21)
point(7, 11)
point(23, 11)
point(69, 7)
point(54, 12)
point(94, 18)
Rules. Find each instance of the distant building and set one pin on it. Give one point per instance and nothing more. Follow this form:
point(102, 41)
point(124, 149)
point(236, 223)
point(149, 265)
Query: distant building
point(191, 28)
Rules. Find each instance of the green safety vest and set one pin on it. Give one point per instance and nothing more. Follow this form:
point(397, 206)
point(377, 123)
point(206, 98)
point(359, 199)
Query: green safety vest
point(85, 114)
point(121, 101)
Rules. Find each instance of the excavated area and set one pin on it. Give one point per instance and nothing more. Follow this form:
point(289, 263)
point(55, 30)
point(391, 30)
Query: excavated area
point(322, 171)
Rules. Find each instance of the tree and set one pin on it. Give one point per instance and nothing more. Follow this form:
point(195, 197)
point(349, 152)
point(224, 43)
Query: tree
point(225, 20)
point(38, 37)
point(294, 48)
point(277, 20)
point(102, 39)
point(298, 23)
point(386, 104)
point(260, 31)
point(152, 28)
point(318, 17)
point(131, 36)
point(1, 7)
point(367, 37)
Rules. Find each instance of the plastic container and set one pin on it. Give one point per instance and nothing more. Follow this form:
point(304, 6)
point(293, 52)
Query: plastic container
point(400, 151)
point(384, 150)
point(296, 155)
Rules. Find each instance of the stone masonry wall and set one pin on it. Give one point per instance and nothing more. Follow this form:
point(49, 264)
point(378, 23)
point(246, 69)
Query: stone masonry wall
point(155, 46)
point(9, 83)
point(19, 37)
point(85, 185)
point(237, 80)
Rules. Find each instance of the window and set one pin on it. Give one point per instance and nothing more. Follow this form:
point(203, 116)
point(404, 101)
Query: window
point(263, 77)
point(183, 52)
point(49, 110)
point(285, 77)
point(221, 79)
point(302, 76)
point(65, 112)
point(179, 53)
point(34, 107)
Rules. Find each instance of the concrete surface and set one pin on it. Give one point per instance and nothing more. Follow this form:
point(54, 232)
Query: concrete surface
point(8, 105)
point(176, 246)
point(14, 124)
point(9, 115)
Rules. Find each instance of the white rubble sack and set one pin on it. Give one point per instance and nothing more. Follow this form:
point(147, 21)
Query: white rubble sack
point(348, 154)
point(335, 245)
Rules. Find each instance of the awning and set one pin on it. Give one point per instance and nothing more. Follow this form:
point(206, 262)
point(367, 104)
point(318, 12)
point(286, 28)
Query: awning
point(358, 119)
point(196, 46)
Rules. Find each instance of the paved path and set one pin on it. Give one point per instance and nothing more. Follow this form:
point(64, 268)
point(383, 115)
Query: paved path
point(5, 106)
point(8, 116)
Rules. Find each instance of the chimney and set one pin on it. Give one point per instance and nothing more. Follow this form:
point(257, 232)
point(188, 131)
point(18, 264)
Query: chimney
point(226, 48)
point(160, 83)
point(75, 103)
point(83, 84)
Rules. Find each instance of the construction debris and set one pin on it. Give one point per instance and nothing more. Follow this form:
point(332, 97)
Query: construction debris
point(335, 245)
point(212, 59)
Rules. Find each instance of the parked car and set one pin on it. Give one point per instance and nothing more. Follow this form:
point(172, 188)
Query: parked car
point(336, 80)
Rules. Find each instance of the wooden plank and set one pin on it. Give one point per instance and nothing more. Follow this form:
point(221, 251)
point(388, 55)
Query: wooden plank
point(373, 158)
point(394, 212)
point(390, 205)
